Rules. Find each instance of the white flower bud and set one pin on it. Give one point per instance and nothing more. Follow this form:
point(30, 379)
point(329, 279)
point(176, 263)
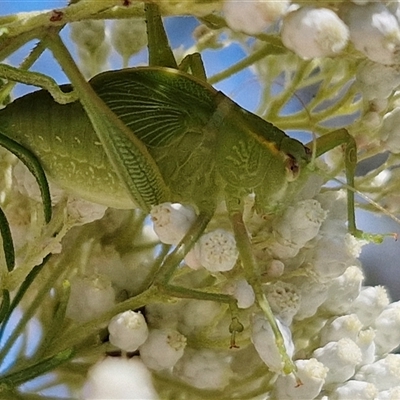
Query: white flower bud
point(128, 330)
point(365, 342)
point(162, 349)
point(312, 295)
point(312, 375)
point(83, 212)
point(369, 304)
point(253, 17)
point(90, 297)
point(264, 342)
point(346, 326)
point(390, 132)
point(341, 358)
point(314, 32)
point(128, 36)
point(172, 221)
point(353, 390)
point(391, 394)
point(216, 251)
point(276, 269)
point(119, 378)
point(371, 120)
point(387, 327)
point(330, 257)
point(300, 223)
point(374, 31)
point(244, 294)
point(377, 81)
point(284, 250)
point(384, 373)
point(204, 369)
point(284, 300)
point(93, 49)
point(196, 314)
point(343, 290)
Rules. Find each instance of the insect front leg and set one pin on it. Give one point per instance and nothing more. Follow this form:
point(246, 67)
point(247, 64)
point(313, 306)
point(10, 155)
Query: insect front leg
point(252, 274)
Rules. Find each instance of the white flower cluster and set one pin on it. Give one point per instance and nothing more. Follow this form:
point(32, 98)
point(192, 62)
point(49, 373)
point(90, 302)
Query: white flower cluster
point(340, 335)
point(335, 330)
point(315, 31)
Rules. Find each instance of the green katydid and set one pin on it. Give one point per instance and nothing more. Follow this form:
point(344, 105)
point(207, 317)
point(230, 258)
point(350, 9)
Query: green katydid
point(143, 136)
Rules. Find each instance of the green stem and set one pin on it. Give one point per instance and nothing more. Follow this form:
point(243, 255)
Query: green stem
point(25, 65)
point(241, 65)
point(33, 371)
point(27, 314)
point(8, 246)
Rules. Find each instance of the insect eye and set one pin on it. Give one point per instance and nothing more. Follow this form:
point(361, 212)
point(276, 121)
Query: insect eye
point(292, 168)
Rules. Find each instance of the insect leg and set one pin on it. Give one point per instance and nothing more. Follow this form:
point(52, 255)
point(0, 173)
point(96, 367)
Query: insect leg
point(328, 142)
point(128, 155)
point(251, 272)
point(160, 53)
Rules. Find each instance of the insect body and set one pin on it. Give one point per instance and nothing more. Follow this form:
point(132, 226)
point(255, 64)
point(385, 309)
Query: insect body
point(142, 136)
point(198, 137)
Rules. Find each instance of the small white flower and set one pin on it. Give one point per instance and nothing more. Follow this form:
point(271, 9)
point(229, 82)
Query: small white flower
point(330, 257)
point(365, 342)
point(119, 378)
point(353, 390)
point(276, 268)
point(128, 36)
point(82, 212)
point(377, 81)
point(390, 132)
point(312, 295)
point(172, 221)
point(264, 342)
point(341, 358)
point(162, 349)
point(342, 291)
point(216, 251)
point(346, 326)
point(300, 223)
point(314, 32)
point(90, 297)
point(384, 373)
point(204, 369)
point(387, 326)
point(244, 294)
point(391, 394)
point(312, 375)
point(284, 300)
point(283, 249)
point(374, 31)
point(196, 314)
point(93, 48)
point(370, 303)
point(128, 330)
point(255, 16)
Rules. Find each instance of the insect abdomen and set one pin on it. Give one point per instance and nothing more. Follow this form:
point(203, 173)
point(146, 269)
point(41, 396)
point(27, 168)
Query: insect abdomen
point(62, 138)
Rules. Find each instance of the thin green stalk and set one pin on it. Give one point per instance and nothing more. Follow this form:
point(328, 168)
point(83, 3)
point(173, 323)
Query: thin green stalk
point(241, 65)
point(17, 378)
point(30, 310)
point(75, 336)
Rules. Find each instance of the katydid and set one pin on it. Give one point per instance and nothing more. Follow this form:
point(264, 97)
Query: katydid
point(142, 136)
